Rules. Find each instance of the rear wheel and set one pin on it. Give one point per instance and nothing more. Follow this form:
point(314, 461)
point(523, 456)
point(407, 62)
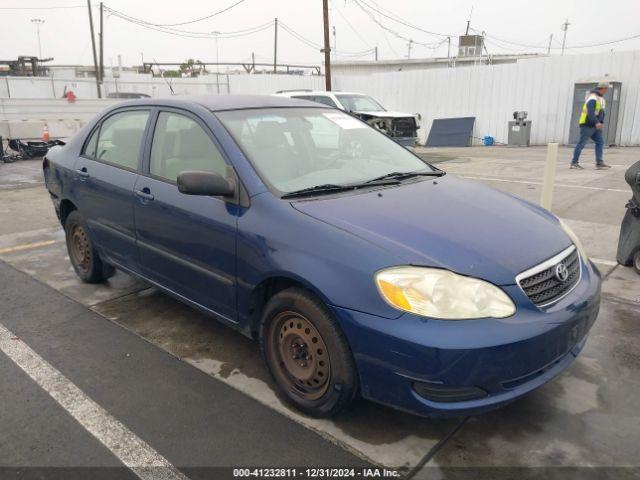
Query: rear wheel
point(307, 353)
point(83, 256)
point(636, 261)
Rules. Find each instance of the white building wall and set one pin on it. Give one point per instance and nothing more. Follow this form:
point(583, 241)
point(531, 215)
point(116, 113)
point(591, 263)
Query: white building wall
point(85, 88)
point(491, 93)
point(542, 86)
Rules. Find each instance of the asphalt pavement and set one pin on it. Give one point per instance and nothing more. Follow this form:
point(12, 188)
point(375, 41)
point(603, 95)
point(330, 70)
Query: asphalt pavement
point(196, 423)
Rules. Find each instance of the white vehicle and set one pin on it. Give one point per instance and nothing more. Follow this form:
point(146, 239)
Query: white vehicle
point(402, 127)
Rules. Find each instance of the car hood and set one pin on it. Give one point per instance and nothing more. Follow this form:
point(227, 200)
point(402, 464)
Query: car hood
point(385, 114)
point(449, 223)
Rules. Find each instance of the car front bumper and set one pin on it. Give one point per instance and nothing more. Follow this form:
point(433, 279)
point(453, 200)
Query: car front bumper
point(470, 366)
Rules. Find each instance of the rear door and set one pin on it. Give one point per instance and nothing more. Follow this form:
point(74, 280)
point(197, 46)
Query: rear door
point(187, 243)
point(106, 173)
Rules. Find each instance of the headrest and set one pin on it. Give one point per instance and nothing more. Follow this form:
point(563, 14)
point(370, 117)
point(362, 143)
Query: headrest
point(193, 142)
point(270, 134)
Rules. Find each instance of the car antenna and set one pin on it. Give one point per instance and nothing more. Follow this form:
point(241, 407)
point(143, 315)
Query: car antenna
point(165, 80)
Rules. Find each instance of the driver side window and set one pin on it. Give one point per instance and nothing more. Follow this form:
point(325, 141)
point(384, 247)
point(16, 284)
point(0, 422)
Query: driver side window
point(180, 144)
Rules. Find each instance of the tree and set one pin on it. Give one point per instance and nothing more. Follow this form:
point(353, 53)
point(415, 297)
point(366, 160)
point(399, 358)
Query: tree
point(192, 68)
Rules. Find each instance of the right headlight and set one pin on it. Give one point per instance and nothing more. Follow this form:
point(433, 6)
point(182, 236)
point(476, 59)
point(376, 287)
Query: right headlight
point(438, 293)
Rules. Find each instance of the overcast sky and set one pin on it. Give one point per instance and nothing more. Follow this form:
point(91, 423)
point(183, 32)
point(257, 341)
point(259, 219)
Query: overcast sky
point(65, 33)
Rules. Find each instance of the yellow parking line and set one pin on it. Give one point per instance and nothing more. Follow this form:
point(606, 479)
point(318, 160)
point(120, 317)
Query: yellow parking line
point(27, 246)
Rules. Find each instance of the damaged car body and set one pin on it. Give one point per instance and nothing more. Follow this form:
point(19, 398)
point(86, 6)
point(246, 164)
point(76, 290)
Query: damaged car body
point(402, 127)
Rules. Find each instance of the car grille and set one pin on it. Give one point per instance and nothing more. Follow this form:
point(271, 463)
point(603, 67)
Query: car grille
point(544, 286)
point(404, 127)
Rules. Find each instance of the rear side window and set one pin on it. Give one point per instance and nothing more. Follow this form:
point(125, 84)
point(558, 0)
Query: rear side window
point(90, 147)
point(179, 145)
point(120, 138)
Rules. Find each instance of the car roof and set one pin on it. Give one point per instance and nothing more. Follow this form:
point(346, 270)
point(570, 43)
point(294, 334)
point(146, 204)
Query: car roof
point(217, 103)
point(317, 92)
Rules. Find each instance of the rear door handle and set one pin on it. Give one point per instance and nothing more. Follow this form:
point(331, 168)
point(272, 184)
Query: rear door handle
point(145, 194)
point(82, 172)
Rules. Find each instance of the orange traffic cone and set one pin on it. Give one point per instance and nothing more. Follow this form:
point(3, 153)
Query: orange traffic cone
point(45, 133)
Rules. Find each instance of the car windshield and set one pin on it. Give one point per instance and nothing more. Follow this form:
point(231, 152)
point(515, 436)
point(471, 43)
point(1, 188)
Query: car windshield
point(359, 103)
point(298, 148)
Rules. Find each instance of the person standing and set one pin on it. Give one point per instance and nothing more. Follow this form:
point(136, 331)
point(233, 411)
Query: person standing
point(591, 123)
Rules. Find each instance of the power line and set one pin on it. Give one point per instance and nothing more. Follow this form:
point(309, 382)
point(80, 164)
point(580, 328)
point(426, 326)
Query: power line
point(400, 20)
point(188, 33)
point(317, 46)
point(390, 30)
point(60, 7)
point(200, 19)
point(352, 27)
point(526, 45)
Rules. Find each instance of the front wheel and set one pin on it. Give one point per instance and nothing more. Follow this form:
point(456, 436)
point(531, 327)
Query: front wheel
point(82, 253)
point(307, 354)
point(636, 261)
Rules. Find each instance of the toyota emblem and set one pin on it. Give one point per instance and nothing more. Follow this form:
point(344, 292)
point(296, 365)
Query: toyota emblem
point(562, 273)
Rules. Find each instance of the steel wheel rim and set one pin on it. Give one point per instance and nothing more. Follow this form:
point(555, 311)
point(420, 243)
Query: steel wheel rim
point(80, 248)
point(300, 355)
point(636, 261)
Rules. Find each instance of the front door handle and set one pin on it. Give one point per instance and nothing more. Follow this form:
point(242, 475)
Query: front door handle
point(144, 194)
point(82, 172)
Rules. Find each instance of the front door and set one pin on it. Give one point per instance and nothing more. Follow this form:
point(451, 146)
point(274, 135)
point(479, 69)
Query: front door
point(106, 173)
point(187, 243)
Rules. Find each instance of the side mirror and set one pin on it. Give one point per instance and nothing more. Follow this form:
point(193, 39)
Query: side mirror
point(205, 183)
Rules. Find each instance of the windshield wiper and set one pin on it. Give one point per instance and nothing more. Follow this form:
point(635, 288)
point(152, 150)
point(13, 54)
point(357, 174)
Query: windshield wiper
point(333, 187)
point(327, 187)
point(403, 175)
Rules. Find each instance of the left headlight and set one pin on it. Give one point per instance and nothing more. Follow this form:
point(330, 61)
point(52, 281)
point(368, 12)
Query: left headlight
point(438, 293)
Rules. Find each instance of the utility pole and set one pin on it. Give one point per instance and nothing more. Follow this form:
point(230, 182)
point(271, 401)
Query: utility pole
point(327, 46)
point(275, 47)
point(101, 44)
point(409, 45)
point(565, 27)
point(253, 62)
point(376, 53)
point(37, 22)
point(549, 48)
point(93, 46)
point(215, 34)
point(448, 50)
point(335, 42)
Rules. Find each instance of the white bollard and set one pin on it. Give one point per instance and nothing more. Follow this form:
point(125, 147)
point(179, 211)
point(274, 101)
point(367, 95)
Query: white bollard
point(549, 175)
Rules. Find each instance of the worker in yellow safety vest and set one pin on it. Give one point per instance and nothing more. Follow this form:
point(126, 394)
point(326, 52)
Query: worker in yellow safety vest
point(591, 122)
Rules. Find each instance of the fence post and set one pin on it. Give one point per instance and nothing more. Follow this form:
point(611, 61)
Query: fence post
point(549, 175)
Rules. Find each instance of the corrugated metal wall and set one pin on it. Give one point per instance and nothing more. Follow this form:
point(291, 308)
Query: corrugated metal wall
point(543, 87)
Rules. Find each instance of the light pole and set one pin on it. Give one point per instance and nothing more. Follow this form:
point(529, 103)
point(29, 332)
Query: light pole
point(37, 22)
point(215, 33)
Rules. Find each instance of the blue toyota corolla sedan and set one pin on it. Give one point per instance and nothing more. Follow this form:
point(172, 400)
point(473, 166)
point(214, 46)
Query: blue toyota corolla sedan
point(360, 268)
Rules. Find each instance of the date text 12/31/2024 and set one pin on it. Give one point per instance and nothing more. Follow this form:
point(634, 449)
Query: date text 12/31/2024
point(317, 472)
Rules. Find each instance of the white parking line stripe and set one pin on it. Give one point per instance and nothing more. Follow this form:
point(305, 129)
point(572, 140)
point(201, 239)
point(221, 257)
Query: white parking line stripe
point(526, 182)
point(137, 455)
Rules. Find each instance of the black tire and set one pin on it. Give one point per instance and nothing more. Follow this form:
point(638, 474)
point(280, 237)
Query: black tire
point(82, 253)
point(296, 313)
point(636, 261)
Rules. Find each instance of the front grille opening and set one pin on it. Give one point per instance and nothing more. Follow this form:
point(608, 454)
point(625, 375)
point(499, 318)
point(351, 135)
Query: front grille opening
point(544, 288)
